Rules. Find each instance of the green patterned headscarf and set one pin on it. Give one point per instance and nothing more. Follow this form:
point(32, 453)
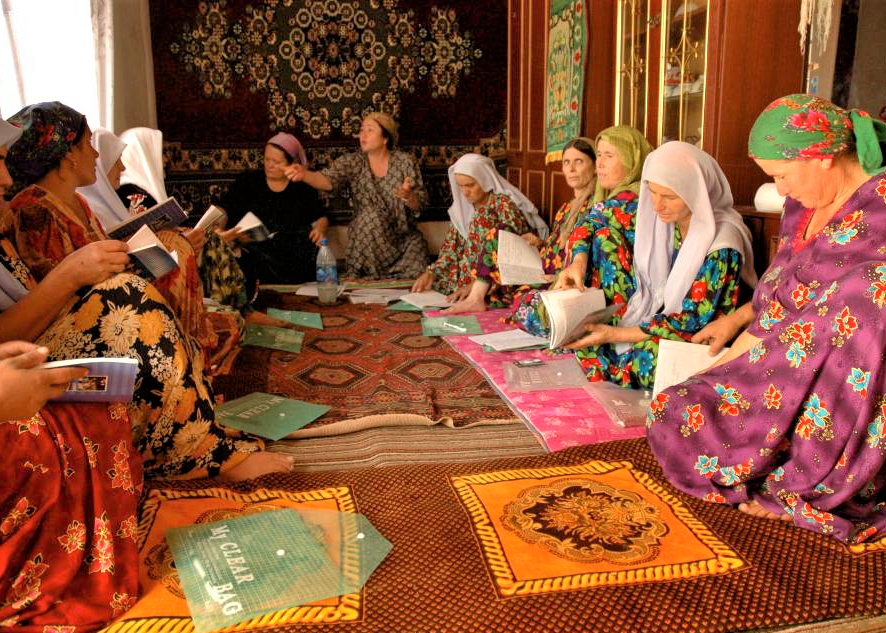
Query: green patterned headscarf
point(803, 127)
point(632, 148)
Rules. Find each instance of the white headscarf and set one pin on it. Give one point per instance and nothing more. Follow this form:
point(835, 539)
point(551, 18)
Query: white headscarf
point(101, 196)
point(697, 178)
point(143, 159)
point(11, 289)
point(482, 169)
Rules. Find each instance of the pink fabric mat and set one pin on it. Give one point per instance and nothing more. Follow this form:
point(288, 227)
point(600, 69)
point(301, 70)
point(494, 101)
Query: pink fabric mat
point(561, 417)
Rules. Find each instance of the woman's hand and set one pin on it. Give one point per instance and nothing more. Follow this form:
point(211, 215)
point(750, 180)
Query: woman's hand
point(573, 276)
point(405, 193)
point(25, 388)
point(196, 238)
point(93, 264)
point(533, 240)
point(229, 235)
point(424, 282)
point(463, 292)
point(597, 334)
point(317, 236)
point(720, 331)
point(296, 172)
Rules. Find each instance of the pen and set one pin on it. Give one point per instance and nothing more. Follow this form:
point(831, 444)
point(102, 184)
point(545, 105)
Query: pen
point(453, 326)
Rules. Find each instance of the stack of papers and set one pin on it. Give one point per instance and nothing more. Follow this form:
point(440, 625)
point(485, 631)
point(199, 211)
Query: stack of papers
point(428, 299)
point(510, 340)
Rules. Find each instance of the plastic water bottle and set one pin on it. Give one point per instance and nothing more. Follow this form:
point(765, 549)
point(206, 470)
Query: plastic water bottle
point(327, 273)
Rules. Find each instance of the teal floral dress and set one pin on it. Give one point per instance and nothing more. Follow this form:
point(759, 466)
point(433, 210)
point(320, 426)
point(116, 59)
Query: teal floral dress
point(713, 293)
point(462, 260)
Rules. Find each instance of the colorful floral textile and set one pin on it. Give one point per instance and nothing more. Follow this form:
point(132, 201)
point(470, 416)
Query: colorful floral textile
point(462, 260)
point(713, 293)
point(68, 526)
point(802, 126)
point(383, 240)
point(798, 423)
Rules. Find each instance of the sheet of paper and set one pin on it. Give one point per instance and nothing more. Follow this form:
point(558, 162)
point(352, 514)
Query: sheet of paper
point(388, 293)
point(427, 299)
point(450, 326)
point(307, 319)
point(678, 360)
point(274, 338)
point(518, 262)
point(268, 415)
point(510, 340)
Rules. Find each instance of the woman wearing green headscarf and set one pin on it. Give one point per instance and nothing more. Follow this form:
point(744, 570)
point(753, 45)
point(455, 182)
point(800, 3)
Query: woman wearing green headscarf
point(602, 244)
point(791, 423)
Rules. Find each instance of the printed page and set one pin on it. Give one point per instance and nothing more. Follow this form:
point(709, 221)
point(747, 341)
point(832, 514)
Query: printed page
point(679, 360)
point(518, 262)
point(568, 308)
point(428, 299)
point(210, 218)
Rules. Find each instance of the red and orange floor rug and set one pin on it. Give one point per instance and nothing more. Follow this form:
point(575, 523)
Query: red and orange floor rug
point(586, 539)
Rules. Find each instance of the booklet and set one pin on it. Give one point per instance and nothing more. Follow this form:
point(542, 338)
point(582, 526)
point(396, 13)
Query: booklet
point(108, 380)
point(241, 567)
point(679, 360)
point(507, 340)
point(151, 254)
point(307, 319)
point(519, 262)
point(253, 228)
point(280, 338)
point(570, 309)
point(267, 415)
point(427, 299)
point(209, 219)
point(403, 306)
point(450, 326)
point(165, 215)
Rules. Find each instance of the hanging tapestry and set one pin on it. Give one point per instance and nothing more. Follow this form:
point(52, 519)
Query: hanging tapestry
point(567, 50)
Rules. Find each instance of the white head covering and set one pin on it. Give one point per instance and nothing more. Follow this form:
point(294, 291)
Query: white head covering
point(482, 169)
point(11, 289)
point(101, 196)
point(143, 159)
point(697, 178)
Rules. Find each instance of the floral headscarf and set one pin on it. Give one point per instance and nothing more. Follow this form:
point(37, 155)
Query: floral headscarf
point(632, 148)
point(49, 131)
point(802, 127)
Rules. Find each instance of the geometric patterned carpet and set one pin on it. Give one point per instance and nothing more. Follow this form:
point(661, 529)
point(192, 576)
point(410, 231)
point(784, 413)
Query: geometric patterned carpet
point(586, 539)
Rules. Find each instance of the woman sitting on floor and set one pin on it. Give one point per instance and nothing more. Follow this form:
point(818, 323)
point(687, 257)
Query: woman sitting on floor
point(482, 204)
point(291, 210)
point(580, 173)
point(601, 248)
point(387, 195)
point(791, 422)
point(691, 250)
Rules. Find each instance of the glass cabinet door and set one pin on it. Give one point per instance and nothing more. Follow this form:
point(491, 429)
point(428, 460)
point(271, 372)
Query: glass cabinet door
point(632, 62)
point(682, 70)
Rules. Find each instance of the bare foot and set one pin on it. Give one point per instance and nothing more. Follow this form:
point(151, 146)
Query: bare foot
point(255, 317)
point(466, 305)
point(754, 509)
point(258, 464)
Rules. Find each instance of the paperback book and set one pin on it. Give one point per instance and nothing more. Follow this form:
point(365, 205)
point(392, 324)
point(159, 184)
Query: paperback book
point(519, 262)
point(267, 415)
point(570, 309)
point(253, 228)
point(150, 253)
point(108, 380)
point(165, 215)
point(679, 360)
point(209, 219)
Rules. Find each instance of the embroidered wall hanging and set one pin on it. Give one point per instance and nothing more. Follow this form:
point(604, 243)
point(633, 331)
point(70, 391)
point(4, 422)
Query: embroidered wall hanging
point(567, 50)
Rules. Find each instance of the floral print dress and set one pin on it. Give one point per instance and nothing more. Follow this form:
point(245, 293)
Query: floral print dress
point(463, 259)
point(713, 293)
point(798, 423)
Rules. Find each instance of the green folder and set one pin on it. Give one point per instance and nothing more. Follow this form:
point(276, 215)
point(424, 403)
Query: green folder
point(450, 326)
point(268, 415)
point(404, 306)
point(274, 337)
point(307, 319)
point(242, 567)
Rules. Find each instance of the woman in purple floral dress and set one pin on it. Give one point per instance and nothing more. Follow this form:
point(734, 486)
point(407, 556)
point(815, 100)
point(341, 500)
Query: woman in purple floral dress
point(791, 423)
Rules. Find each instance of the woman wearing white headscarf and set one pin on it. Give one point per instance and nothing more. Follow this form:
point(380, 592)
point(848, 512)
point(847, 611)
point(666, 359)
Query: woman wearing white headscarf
point(143, 160)
point(482, 204)
point(691, 250)
point(102, 194)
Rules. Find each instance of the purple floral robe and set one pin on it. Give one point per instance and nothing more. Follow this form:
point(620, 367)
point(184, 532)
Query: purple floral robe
point(799, 422)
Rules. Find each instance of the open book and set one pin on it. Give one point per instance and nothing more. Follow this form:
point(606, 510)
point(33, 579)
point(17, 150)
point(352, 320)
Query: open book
point(210, 218)
point(570, 309)
point(151, 253)
point(518, 262)
point(253, 228)
point(679, 360)
point(108, 380)
point(164, 215)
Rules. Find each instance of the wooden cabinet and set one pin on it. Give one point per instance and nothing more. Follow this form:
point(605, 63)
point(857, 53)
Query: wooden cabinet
point(764, 226)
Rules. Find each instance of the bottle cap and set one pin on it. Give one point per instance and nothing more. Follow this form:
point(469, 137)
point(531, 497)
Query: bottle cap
point(324, 242)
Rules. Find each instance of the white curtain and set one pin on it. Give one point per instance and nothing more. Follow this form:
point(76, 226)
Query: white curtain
point(93, 55)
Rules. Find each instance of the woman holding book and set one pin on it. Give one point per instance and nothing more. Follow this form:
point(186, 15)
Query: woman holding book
point(791, 423)
point(73, 473)
point(387, 194)
point(48, 220)
point(579, 170)
point(483, 203)
point(692, 249)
